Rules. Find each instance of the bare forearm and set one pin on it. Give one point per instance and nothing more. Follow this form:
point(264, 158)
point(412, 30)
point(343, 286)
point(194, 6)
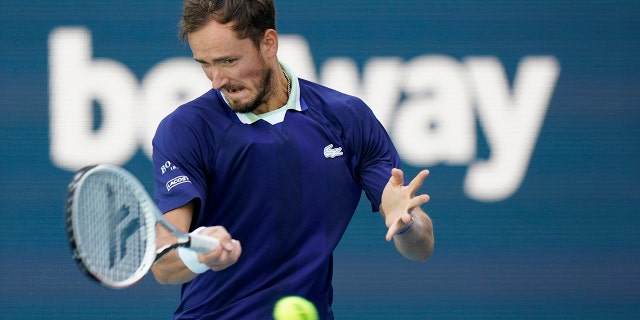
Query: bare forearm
point(417, 243)
point(171, 270)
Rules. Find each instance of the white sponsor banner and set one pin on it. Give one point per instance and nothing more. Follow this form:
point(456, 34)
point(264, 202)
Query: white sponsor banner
point(430, 105)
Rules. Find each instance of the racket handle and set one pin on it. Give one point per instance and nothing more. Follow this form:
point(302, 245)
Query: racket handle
point(202, 243)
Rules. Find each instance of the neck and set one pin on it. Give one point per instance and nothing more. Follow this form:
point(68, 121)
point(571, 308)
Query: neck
point(281, 92)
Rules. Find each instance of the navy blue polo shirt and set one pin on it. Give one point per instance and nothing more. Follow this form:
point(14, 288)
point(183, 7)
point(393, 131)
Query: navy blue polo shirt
point(286, 185)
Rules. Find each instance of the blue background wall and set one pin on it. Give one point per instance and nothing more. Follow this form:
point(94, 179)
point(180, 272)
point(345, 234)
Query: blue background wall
point(564, 245)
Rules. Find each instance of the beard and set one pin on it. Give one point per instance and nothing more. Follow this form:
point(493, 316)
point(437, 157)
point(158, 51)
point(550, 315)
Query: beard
point(264, 88)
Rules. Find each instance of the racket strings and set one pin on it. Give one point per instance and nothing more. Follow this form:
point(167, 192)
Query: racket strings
point(112, 228)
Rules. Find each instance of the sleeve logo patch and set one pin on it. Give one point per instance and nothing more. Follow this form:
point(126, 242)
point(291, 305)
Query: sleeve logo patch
point(177, 181)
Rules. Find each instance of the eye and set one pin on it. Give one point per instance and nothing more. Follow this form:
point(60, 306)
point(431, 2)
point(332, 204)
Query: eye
point(202, 63)
point(229, 61)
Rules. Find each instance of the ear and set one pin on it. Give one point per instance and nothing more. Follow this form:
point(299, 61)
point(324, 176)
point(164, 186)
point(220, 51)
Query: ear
point(270, 43)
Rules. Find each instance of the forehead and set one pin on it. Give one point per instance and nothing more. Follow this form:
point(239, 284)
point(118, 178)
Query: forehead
point(215, 40)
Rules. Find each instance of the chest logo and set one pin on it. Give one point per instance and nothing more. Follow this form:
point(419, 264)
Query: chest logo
point(331, 152)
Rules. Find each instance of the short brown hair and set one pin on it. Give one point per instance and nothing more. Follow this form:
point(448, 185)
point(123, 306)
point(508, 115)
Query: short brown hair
point(251, 18)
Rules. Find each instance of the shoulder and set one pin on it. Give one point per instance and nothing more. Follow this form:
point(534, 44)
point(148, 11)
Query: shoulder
point(205, 111)
point(195, 125)
point(332, 102)
point(203, 106)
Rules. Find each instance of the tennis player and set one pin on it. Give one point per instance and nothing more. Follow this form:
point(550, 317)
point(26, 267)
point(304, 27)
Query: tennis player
point(273, 166)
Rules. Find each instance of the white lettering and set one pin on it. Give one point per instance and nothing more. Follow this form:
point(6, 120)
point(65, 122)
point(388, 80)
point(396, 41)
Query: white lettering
point(177, 181)
point(428, 104)
point(435, 124)
point(165, 166)
point(380, 86)
point(166, 86)
point(296, 52)
point(511, 122)
point(76, 82)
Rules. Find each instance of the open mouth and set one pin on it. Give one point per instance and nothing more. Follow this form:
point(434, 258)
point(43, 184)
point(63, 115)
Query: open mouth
point(234, 91)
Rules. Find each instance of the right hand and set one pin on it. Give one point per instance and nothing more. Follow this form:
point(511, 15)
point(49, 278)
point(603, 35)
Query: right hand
point(225, 255)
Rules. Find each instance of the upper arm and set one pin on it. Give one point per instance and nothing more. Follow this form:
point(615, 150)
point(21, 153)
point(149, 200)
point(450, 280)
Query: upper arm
point(178, 167)
point(376, 152)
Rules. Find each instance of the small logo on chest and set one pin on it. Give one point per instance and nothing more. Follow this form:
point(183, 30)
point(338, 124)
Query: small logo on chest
point(331, 152)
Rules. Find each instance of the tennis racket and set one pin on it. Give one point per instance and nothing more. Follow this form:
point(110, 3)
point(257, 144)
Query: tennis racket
point(111, 227)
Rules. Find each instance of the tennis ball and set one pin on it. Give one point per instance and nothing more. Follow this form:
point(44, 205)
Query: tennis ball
point(294, 308)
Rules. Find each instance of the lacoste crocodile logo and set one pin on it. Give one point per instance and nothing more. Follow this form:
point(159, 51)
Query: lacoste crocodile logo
point(331, 152)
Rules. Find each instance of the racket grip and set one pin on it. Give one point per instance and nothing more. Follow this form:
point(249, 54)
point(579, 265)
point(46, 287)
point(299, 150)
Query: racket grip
point(202, 243)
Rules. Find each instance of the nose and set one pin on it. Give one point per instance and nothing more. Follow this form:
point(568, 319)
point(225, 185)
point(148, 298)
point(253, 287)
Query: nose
point(218, 78)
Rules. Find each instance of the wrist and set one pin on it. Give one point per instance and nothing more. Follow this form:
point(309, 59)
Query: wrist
point(190, 258)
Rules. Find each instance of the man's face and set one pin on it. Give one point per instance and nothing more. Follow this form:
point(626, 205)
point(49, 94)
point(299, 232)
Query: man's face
point(234, 66)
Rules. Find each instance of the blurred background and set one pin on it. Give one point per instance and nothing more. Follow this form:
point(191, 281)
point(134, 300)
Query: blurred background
point(526, 112)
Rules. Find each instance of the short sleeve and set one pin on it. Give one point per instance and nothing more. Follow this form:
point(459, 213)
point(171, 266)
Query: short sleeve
point(376, 155)
point(176, 165)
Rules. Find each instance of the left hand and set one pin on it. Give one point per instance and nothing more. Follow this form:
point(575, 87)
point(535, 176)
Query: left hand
point(399, 200)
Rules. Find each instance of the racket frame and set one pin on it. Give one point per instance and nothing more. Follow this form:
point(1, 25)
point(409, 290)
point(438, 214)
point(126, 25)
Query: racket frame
point(151, 215)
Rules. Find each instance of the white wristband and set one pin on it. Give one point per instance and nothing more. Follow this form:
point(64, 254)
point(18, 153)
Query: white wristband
point(190, 258)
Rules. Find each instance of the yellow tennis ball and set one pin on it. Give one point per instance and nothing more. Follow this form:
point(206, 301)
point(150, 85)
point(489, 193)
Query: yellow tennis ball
point(294, 308)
